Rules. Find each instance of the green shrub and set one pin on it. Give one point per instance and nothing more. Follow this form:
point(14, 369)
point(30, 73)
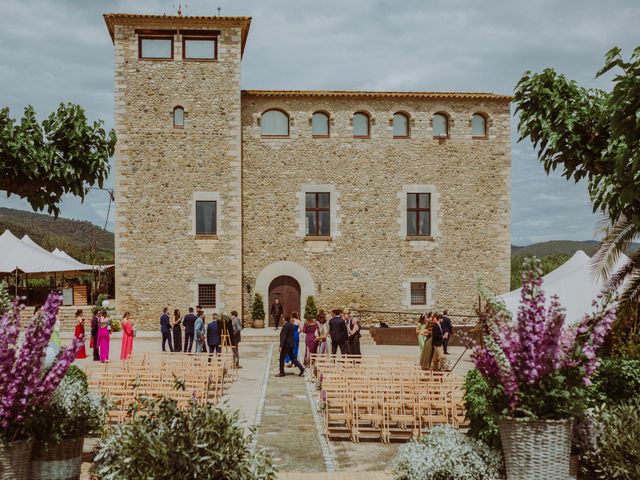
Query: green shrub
point(169, 443)
point(310, 309)
point(483, 422)
point(616, 380)
point(257, 308)
point(5, 298)
point(77, 375)
point(613, 442)
point(98, 305)
point(447, 454)
point(116, 326)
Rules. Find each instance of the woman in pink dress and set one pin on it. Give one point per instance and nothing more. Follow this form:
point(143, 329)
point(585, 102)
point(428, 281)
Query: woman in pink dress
point(310, 330)
point(79, 334)
point(127, 337)
point(104, 335)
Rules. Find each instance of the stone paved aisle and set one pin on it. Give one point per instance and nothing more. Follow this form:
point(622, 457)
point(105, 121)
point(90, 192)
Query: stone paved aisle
point(287, 428)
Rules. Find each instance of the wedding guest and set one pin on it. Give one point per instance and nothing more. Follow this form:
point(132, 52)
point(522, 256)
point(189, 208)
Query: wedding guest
point(354, 337)
point(95, 326)
point(177, 331)
point(295, 321)
point(127, 336)
point(277, 312)
point(338, 333)
point(421, 329)
point(323, 333)
point(198, 331)
point(447, 328)
point(286, 348)
point(79, 334)
point(104, 337)
point(311, 335)
point(189, 321)
point(213, 336)
point(165, 329)
point(437, 338)
point(427, 348)
point(237, 329)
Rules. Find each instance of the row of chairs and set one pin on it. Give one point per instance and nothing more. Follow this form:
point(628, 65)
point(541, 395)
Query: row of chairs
point(385, 399)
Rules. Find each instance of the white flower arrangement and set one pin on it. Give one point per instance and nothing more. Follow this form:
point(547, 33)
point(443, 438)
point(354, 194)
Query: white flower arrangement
point(447, 454)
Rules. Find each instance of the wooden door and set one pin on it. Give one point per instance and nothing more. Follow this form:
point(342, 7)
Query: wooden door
point(287, 289)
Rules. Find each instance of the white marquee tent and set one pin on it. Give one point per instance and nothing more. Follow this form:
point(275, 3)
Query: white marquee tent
point(573, 282)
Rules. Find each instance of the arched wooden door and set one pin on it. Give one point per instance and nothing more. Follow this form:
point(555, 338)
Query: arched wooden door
point(287, 289)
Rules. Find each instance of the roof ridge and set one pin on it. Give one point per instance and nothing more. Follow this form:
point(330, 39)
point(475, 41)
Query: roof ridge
point(370, 93)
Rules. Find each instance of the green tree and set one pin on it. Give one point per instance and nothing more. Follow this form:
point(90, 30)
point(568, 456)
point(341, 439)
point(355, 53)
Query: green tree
point(595, 135)
point(257, 308)
point(64, 154)
point(548, 264)
point(310, 309)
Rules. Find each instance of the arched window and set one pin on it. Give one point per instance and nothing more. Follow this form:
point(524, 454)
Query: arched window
point(178, 117)
point(320, 125)
point(478, 125)
point(440, 125)
point(274, 123)
point(400, 125)
point(361, 125)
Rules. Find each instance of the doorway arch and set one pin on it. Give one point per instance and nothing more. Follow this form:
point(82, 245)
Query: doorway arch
point(287, 290)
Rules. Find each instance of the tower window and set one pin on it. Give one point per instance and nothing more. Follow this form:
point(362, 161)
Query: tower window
point(199, 48)
point(440, 125)
point(274, 123)
point(478, 126)
point(320, 125)
point(206, 221)
point(400, 125)
point(178, 117)
point(155, 47)
point(207, 295)
point(361, 125)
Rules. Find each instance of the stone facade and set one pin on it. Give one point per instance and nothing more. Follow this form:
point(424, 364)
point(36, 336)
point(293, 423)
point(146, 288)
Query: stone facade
point(368, 262)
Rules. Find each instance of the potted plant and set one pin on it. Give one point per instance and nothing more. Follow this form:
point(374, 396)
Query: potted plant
point(72, 413)
point(25, 385)
point(257, 311)
point(538, 370)
point(310, 308)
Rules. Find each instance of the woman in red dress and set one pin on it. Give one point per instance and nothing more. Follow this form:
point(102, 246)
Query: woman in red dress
point(127, 336)
point(79, 333)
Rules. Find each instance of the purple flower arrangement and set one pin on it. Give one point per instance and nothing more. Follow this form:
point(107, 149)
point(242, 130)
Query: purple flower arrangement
point(24, 383)
point(537, 366)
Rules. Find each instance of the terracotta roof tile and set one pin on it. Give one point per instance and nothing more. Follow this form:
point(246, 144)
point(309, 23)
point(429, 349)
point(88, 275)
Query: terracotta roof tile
point(356, 94)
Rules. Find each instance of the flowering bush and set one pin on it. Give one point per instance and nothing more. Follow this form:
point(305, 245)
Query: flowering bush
point(536, 366)
point(25, 386)
point(447, 454)
point(72, 412)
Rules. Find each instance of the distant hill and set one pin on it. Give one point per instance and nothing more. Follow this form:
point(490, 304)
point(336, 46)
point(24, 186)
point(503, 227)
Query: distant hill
point(559, 247)
point(80, 239)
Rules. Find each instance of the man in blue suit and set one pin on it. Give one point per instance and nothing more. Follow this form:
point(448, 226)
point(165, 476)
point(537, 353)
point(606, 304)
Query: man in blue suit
point(165, 329)
point(189, 322)
point(287, 343)
point(213, 335)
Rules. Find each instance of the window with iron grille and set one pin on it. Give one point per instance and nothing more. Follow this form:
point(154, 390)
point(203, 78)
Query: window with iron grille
point(317, 214)
point(418, 214)
point(207, 295)
point(418, 293)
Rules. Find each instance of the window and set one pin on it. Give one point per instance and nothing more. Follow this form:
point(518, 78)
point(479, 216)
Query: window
point(418, 293)
point(155, 47)
point(274, 123)
point(178, 117)
point(317, 214)
point(400, 125)
point(418, 214)
point(360, 125)
point(199, 48)
point(206, 217)
point(478, 126)
point(207, 295)
point(440, 125)
point(320, 125)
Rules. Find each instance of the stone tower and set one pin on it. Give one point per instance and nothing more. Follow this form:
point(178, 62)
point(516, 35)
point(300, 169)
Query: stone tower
point(178, 234)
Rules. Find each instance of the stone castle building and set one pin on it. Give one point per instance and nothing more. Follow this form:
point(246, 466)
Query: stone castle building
point(387, 201)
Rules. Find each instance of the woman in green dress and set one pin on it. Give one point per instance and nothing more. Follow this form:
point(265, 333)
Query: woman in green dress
point(424, 340)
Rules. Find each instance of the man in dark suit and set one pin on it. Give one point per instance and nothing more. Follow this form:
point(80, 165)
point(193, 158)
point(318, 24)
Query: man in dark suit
point(188, 321)
point(436, 342)
point(276, 311)
point(165, 329)
point(286, 347)
point(447, 328)
point(95, 325)
point(213, 335)
point(338, 333)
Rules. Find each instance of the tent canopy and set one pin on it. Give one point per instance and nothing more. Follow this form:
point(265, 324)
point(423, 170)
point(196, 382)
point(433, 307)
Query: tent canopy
point(26, 256)
point(573, 282)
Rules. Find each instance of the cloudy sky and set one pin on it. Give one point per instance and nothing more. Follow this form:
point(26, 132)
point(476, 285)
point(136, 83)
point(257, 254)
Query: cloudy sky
point(59, 50)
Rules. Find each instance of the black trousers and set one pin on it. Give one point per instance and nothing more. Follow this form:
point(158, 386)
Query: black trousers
point(96, 352)
point(188, 341)
point(342, 345)
point(445, 345)
point(289, 351)
point(166, 337)
point(354, 345)
point(177, 340)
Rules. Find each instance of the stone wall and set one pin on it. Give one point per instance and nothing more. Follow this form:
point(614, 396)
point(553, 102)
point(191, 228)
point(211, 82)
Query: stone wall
point(160, 170)
point(368, 263)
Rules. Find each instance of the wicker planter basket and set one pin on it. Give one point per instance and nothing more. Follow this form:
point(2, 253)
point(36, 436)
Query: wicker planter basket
point(14, 460)
point(59, 462)
point(536, 450)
